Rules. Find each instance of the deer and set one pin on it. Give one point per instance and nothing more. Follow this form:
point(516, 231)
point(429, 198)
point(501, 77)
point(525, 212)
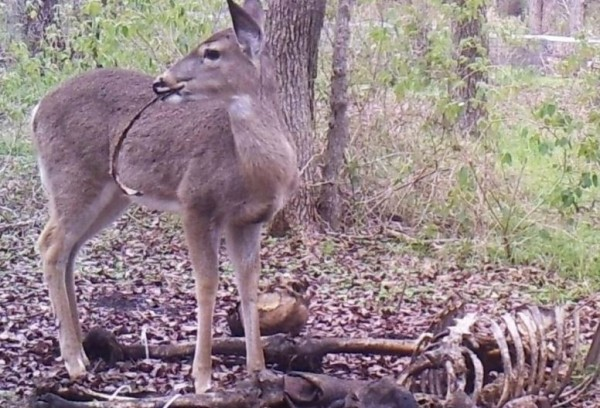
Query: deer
point(215, 150)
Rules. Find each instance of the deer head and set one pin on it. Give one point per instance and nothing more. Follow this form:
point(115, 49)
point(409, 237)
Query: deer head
point(224, 66)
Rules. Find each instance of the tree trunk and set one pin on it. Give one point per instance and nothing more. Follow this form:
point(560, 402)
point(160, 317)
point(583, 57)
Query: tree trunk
point(293, 30)
point(35, 19)
point(512, 8)
point(337, 136)
point(536, 15)
point(12, 17)
point(471, 45)
point(576, 17)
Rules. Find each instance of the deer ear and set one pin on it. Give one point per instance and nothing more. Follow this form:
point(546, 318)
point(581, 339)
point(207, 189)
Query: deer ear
point(255, 10)
point(247, 30)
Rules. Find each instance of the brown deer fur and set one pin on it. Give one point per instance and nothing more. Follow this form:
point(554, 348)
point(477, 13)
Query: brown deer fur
point(222, 158)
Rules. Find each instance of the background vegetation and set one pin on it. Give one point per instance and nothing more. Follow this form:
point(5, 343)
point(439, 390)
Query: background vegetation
point(524, 189)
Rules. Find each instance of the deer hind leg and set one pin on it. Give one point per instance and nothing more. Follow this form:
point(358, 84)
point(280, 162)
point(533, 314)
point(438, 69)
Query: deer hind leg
point(104, 217)
point(59, 244)
point(243, 247)
point(56, 246)
point(203, 237)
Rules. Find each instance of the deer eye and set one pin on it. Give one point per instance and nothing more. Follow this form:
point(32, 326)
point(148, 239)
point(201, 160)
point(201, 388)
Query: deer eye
point(211, 54)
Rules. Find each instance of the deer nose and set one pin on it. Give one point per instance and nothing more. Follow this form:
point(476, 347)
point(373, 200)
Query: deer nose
point(160, 86)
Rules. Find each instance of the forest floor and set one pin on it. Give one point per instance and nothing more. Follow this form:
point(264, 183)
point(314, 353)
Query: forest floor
point(135, 277)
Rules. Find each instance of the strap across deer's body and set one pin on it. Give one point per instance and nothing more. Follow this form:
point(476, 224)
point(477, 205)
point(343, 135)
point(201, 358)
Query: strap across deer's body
point(114, 154)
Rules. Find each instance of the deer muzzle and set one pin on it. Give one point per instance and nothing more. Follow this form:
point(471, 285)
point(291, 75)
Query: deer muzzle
point(166, 85)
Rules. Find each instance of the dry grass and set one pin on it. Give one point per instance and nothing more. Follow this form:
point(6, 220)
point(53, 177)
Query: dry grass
point(407, 169)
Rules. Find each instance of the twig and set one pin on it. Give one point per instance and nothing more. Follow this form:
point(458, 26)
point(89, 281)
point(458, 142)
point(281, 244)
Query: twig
point(6, 227)
point(114, 154)
point(433, 241)
point(575, 393)
point(101, 396)
point(308, 163)
point(238, 398)
point(378, 199)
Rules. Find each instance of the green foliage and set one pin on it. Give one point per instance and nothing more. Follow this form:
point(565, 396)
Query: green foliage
point(136, 34)
point(570, 145)
point(523, 192)
point(554, 148)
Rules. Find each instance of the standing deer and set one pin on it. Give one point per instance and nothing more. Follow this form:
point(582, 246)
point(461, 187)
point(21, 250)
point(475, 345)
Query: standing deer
point(219, 154)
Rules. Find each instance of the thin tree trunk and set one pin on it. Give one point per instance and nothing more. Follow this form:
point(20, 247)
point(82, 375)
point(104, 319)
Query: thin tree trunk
point(576, 17)
point(12, 16)
point(536, 15)
point(337, 136)
point(293, 30)
point(471, 45)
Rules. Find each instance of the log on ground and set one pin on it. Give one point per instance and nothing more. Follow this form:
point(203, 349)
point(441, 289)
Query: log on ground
point(304, 390)
point(301, 354)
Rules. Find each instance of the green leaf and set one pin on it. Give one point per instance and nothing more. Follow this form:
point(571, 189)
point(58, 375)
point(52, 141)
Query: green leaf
point(464, 179)
point(567, 198)
point(549, 109)
point(524, 132)
point(594, 117)
point(586, 180)
point(563, 142)
point(93, 8)
point(544, 148)
point(506, 159)
point(544, 234)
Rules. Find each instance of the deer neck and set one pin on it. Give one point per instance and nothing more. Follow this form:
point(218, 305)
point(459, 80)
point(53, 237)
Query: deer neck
point(267, 158)
point(243, 108)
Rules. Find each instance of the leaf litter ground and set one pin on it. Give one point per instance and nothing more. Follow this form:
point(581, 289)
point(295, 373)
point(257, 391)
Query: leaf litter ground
point(135, 280)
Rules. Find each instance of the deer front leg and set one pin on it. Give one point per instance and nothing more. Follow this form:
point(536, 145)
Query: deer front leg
point(202, 238)
point(56, 251)
point(243, 246)
point(72, 298)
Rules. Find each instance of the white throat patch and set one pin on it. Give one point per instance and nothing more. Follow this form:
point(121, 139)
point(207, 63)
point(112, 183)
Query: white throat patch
point(174, 98)
point(241, 106)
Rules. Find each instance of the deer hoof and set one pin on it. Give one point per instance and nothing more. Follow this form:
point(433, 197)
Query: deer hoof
point(76, 368)
point(202, 386)
point(76, 365)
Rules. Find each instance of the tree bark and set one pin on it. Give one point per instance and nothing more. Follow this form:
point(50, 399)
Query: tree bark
point(293, 30)
point(471, 45)
point(35, 20)
point(536, 15)
point(576, 17)
point(512, 8)
point(337, 136)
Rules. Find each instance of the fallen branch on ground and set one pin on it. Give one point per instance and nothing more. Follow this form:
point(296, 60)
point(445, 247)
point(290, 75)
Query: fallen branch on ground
point(287, 353)
point(292, 390)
